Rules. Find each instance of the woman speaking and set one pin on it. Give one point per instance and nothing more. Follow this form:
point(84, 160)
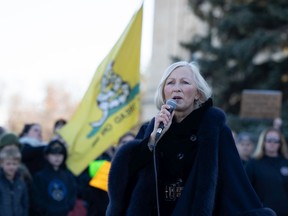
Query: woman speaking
point(184, 161)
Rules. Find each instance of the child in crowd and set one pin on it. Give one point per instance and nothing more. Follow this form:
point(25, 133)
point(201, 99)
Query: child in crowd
point(54, 187)
point(10, 141)
point(13, 190)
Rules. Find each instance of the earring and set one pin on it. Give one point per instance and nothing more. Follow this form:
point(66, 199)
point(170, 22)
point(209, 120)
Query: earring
point(197, 103)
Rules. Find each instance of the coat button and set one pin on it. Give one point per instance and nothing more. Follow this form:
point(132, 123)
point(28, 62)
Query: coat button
point(180, 156)
point(193, 138)
point(161, 154)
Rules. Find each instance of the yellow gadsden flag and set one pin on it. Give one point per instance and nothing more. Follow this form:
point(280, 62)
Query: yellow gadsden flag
point(111, 105)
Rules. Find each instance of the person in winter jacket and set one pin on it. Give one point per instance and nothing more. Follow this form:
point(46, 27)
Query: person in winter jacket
point(32, 147)
point(184, 161)
point(54, 189)
point(14, 199)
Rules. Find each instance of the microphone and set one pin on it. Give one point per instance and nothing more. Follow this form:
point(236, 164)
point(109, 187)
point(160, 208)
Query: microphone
point(172, 105)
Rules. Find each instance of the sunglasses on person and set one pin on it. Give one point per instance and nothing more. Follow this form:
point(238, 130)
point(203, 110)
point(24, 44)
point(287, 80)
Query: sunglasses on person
point(272, 140)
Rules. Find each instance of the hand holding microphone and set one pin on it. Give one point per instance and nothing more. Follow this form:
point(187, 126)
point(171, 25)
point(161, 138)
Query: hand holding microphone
point(163, 117)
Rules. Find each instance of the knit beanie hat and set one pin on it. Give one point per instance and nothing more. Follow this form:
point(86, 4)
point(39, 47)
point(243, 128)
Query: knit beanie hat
point(55, 147)
point(9, 139)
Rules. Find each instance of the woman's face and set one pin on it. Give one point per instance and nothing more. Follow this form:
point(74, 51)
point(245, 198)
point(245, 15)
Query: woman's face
point(181, 87)
point(272, 143)
point(35, 132)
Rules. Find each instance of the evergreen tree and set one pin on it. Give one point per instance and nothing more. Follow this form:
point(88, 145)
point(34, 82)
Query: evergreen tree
point(246, 47)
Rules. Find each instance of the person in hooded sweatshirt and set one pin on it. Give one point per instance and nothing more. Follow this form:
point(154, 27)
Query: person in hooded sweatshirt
point(184, 161)
point(54, 189)
point(32, 147)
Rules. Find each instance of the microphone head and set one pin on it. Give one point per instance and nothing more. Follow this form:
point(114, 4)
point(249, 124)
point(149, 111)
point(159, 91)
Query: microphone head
point(172, 103)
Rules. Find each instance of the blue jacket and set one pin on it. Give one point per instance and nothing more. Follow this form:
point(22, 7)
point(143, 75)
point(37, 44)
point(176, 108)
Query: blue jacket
point(14, 199)
point(217, 184)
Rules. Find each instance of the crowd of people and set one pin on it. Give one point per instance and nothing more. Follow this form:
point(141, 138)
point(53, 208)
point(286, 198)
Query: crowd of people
point(36, 175)
point(266, 164)
point(184, 161)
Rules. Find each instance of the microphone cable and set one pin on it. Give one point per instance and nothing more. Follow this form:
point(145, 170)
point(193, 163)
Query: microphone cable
point(172, 105)
point(156, 176)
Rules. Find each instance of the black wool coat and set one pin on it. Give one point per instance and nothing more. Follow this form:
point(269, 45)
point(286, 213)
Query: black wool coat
point(217, 184)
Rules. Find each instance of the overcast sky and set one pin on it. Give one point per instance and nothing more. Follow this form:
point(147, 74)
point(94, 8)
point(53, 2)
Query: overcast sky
point(61, 41)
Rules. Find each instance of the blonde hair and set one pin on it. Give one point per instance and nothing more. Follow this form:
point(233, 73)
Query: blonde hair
point(202, 86)
point(14, 154)
point(260, 152)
